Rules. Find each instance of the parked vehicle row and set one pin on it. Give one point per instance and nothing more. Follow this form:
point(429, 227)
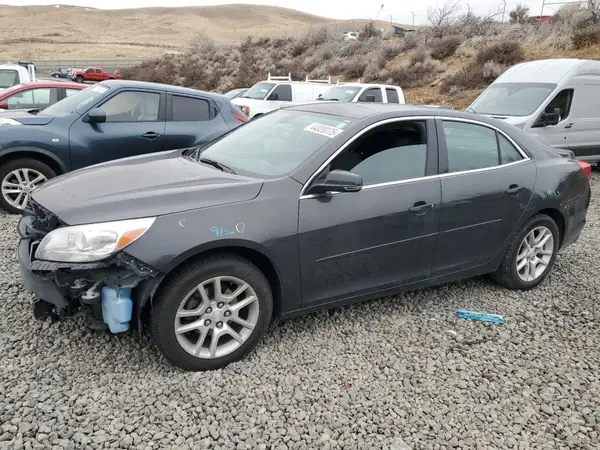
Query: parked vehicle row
point(277, 92)
point(312, 206)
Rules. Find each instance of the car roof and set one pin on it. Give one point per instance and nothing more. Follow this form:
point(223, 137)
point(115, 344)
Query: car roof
point(381, 111)
point(52, 83)
point(547, 70)
point(161, 86)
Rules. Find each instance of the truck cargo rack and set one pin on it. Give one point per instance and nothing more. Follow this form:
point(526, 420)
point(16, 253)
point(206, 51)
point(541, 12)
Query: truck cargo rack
point(279, 78)
point(326, 81)
point(348, 82)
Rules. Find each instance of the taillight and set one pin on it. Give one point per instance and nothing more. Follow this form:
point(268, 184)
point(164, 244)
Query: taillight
point(587, 169)
point(236, 113)
point(240, 118)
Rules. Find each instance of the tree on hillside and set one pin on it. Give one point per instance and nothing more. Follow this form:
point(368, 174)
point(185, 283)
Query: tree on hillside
point(442, 18)
point(520, 14)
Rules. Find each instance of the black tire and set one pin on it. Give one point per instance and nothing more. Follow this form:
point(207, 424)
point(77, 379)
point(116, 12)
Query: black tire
point(169, 296)
point(506, 274)
point(79, 79)
point(55, 75)
point(24, 163)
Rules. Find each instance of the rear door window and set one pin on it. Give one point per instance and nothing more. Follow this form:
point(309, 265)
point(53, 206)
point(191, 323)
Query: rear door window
point(189, 109)
point(392, 95)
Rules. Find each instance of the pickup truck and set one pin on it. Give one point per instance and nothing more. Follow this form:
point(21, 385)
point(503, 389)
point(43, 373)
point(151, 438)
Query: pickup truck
point(110, 120)
point(15, 73)
point(93, 74)
point(364, 92)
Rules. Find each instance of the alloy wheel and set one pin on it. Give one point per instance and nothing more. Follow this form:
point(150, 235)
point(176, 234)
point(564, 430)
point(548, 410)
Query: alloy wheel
point(216, 317)
point(535, 254)
point(18, 185)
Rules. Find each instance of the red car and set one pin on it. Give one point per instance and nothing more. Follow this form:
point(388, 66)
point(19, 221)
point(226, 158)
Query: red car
point(94, 74)
point(36, 94)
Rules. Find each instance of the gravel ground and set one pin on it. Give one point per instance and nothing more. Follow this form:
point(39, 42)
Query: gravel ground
point(396, 373)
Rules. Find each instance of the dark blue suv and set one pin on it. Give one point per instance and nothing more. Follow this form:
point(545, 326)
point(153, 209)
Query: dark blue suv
point(109, 120)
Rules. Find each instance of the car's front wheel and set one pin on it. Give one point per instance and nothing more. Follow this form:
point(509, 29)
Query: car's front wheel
point(211, 313)
point(530, 255)
point(18, 179)
point(79, 79)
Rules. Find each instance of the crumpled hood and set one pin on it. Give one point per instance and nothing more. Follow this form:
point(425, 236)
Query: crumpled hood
point(141, 186)
point(21, 115)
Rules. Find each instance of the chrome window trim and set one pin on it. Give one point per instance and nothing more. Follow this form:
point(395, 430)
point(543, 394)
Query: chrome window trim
point(475, 122)
point(526, 157)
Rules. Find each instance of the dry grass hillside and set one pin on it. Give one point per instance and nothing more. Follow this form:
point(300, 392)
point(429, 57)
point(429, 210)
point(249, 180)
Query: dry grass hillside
point(68, 32)
point(449, 62)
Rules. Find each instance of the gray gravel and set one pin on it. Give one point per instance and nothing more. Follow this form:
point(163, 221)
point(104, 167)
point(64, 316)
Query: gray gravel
point(396, 373)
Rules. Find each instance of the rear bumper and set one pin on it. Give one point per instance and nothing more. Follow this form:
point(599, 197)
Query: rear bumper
point(43, 288)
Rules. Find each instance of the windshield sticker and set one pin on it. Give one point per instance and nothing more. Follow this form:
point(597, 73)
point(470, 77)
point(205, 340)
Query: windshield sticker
point(100, 89)
point(323, 130)
point(349, 92)
point(341, 125)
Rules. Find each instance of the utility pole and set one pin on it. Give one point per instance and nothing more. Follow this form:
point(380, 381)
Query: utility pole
point(542, 13)
point(503, 10)
point(391, 20)
point(468, 9)
point(380, 9)
point(413, 22)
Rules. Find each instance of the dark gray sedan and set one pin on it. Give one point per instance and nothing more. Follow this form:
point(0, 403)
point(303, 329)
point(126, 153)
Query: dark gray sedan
point(308, 207)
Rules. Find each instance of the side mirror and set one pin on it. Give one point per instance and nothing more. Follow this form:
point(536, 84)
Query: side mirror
point(96, 115)
point(337, 181)
point(273, 96)
point(548, 118)
point(3, 105)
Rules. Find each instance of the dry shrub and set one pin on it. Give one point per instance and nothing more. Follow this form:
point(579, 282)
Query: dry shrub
point(390, 51)
point(445, 47)
point(506, 53)
point(418, 56)
point(585, 38)
point(414, 75)
point(354, 68)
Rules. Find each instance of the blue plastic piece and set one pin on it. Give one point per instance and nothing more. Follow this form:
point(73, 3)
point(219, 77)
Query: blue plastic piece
point(116, 309)
point(485, 317)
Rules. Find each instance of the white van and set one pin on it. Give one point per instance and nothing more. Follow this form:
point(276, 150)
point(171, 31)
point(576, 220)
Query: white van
point(555, 99)
point(276, 92)
point(364, 92)
point(15, 73)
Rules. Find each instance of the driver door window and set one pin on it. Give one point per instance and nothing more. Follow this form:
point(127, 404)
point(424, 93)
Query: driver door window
point(284, 93)
point(562, 101)
point(132, 107)
point(387, 155)
point(375, 92)
point(33, 98)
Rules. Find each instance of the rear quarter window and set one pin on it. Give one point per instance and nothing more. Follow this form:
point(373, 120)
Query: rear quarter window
point(189, 109)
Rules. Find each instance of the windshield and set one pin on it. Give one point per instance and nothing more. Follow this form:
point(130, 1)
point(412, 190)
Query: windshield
point(512, 99)
point(276, 144)
point(77, 102)
point(259, 91)
point(233, 94)
point(8, 78)
point(341, 93)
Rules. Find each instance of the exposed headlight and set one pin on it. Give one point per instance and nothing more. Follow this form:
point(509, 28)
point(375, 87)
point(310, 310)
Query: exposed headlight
point(9, 122)
point(93, 242)
point(245, 109)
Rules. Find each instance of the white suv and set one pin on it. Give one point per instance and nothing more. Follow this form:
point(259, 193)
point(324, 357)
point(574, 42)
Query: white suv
point(364, 92)
point(277, 92)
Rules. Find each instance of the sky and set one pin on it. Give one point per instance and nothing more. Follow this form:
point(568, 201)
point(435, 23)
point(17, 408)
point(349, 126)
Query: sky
point(337, 9)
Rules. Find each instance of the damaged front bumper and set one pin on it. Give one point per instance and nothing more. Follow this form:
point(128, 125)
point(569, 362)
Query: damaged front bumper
point(111, 292)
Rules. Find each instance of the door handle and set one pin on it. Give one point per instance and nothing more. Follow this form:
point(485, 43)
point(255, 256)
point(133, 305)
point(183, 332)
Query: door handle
point(150, 135)
point(420, 208)
point(513, 189)
point(569, 125)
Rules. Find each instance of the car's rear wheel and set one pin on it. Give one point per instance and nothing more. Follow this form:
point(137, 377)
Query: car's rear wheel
point(18, 178)
point(530, 255)
point(211, 313)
